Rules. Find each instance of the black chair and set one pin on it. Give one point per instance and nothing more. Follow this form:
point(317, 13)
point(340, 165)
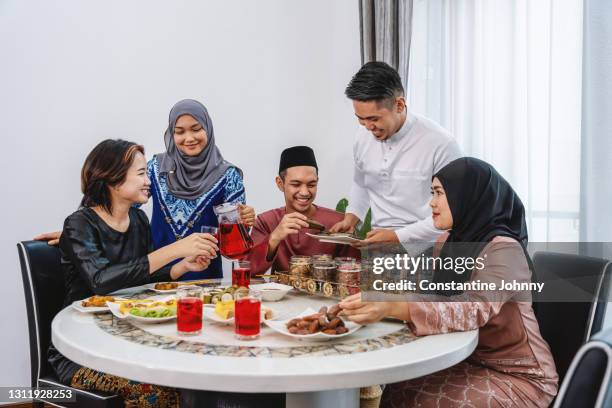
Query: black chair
point(588, 382)
point(566, 326)
point(43, 284)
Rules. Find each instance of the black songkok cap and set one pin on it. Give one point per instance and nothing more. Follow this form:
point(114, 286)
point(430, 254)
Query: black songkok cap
point(297, 156)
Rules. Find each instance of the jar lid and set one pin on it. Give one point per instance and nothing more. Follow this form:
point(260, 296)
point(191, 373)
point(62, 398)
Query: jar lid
point(300, 259)
point(349, 267)
point(324, 263)
point(322, 257)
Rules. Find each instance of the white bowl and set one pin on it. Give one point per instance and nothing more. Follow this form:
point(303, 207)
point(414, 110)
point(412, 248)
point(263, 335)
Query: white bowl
point(271, 291)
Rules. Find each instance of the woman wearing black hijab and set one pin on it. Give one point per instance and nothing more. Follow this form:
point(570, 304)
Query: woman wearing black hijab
point(512, 365)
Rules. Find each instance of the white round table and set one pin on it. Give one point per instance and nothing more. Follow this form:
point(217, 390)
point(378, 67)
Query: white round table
point(307, 371)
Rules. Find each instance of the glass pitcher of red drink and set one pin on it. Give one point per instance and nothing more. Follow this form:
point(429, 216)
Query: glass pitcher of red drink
point(234, 239)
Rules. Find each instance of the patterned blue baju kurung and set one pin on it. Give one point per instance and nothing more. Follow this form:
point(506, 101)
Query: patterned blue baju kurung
point(173, 218)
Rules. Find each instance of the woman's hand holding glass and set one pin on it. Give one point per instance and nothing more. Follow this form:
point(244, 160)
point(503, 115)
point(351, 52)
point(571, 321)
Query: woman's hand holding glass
point(196, 250)
point(196, 263)
point(197, 244)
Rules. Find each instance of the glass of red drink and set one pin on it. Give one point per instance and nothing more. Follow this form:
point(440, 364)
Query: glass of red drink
point(241, 273)
point(189, 310)
point(247, 315)
point(214, 231)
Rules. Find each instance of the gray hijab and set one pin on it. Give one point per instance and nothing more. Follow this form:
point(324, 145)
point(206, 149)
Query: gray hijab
point(191, 176)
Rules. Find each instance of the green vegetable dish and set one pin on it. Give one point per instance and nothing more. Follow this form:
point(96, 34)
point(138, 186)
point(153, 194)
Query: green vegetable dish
point(153, 313)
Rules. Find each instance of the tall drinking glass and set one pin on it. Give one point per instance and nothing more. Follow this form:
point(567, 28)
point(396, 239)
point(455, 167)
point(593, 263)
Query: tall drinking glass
point(241, 273)
point(247, 314)
point(189, 310)
point(214, 231)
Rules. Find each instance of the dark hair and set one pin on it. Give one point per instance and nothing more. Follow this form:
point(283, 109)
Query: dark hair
point(375, 81)
point(283, 173)
point(106, 166)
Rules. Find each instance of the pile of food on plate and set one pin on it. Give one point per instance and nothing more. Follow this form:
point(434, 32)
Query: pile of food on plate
point(97, 301)
point(214, 295)
point(148, 308)
point(166, 285)
point(224, 307)
point(326, 321)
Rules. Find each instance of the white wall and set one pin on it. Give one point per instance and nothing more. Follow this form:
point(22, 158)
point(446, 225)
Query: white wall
point(72, 73)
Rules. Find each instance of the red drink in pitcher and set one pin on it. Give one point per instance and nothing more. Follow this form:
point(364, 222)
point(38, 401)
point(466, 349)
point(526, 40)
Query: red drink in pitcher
point(247, 317)
point(189, 310)
point(234, 240)
point(241, 273)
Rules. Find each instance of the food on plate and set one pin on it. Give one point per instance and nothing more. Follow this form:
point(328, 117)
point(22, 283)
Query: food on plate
point(166, 285)
point(315, 225)
point(224, 308)
point(326, 321)
point(214, 295)
point(266, 313)
point(337, 234)
point(148, 308)
point(97, 301)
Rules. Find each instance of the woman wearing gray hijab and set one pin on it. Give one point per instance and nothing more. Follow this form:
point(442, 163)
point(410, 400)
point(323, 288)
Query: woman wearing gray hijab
point(189, 179)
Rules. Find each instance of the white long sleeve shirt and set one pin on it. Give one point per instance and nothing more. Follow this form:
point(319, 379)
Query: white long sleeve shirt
point(393, 177)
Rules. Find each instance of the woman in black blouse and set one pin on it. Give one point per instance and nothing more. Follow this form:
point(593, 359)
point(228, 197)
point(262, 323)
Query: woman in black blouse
point(106, 246)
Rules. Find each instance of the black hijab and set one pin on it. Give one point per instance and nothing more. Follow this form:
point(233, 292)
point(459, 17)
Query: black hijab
point(483, 206)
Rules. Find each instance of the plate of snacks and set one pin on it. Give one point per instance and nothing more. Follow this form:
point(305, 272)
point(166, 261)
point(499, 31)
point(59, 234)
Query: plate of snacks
point(211, 296)
point(312, 325)
point(223, 311)
point(335, 238)
point(145, 310)
point(163, 287)
point(94, 304)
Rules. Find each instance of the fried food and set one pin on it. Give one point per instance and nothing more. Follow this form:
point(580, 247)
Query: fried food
point(166, 285)
point(266, 313)
point(97, 301)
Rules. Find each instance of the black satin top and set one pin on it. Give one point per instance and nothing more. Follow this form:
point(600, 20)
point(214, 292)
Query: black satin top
point(98, 260)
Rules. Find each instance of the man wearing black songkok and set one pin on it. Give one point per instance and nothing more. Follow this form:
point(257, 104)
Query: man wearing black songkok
point(280, 233)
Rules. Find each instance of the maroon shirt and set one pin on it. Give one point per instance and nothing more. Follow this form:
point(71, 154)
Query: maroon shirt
point(295, 244)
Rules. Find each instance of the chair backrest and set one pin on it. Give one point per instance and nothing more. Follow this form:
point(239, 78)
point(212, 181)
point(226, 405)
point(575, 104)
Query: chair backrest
point(43, 284)
point(566, 326)
point(602, 302)
point(589, 379)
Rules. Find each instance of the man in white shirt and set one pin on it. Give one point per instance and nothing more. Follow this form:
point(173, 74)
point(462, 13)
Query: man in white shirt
point(396, 155)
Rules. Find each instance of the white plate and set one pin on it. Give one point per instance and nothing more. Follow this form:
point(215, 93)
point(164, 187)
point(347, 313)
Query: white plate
point(209, 313)
point(281, 327)
point(114, 308)
point(277, 293)
point(151, 286)
point(78, 306)
point(337, 239)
